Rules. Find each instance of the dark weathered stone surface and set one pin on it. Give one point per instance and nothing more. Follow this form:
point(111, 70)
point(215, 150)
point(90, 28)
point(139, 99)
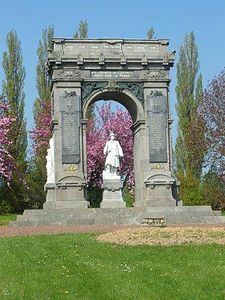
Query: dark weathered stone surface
point(70, 121)
point(135, 88)
point(157, 125)
point(112, 74)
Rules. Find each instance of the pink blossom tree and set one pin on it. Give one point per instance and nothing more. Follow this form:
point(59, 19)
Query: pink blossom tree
point(41, 133)
point(7, 163)
point(118, 121)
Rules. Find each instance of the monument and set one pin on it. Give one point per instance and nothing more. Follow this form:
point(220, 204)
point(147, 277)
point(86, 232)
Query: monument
point(112, 185)
point(135, 73)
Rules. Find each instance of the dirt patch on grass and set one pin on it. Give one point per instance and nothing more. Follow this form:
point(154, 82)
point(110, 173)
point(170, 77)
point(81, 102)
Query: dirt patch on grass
point(7, 231)
point(166, 236)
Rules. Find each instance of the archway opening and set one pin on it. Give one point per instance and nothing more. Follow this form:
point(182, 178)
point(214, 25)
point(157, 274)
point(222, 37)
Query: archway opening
point(105, 116)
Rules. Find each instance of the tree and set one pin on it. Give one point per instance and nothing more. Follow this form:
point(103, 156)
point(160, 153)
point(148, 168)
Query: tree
point(213, 113)
point(82, 32)
point(42, 118)
point(151, 33)
point(37, 166)
point(42, 105)
point(7, 163)
point(42, 79)
point(98, 129)
point(214, 189)
point(190, 144)
point(13, 90)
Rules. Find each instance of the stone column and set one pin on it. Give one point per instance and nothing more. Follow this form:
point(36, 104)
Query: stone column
point(84, 146)
point(158, 178)
point(70, 181)
point(140, 161)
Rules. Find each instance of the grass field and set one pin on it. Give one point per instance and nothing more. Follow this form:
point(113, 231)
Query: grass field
point(6, 219)
point(76, 266)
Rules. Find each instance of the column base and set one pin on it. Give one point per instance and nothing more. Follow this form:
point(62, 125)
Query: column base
point(65, 194)
point(160, 190)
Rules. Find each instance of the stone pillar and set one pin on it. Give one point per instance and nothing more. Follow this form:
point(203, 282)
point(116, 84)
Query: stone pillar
point(140, 160)
point(70, 181)
point(84, 146)
point(158, 179)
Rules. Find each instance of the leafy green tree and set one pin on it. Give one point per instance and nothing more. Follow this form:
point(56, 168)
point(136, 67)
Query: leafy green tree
point(42, 79)
point(82, 32)
point(213, 187)
point(43, 83)
point(41, 133)
point(151, 33)
point(13, 90)
point(190, 144)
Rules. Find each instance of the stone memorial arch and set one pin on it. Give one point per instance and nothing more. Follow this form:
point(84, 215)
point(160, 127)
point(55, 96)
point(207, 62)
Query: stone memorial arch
point(136, 74)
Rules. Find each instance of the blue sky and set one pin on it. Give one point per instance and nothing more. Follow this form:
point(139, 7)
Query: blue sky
point(124, 19)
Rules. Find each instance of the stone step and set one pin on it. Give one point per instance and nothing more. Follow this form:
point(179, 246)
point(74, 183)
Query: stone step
point(110, 216)
point(215, 219)
point(217, 212)
point(23, 223)
point(81, 216)
point(207, 209)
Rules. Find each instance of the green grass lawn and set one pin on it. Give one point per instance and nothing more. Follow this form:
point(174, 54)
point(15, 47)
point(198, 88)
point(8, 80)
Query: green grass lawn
point(75, 266)
point(6, 219)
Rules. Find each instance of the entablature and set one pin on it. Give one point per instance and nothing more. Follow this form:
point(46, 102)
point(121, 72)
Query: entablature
point(144, 59)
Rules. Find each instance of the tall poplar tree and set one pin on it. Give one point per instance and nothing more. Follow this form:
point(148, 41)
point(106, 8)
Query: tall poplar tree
point(42, 79)
point(42, 116)
point(82, 32)
point(151, 33)
point(43, 83)
point(190, 144)
point(13, 90)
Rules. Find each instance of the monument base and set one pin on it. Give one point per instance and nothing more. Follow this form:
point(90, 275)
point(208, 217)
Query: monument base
point(66, 204)
point(112, 193)
point(159, 191)
point(118, 216)
point(65, 195)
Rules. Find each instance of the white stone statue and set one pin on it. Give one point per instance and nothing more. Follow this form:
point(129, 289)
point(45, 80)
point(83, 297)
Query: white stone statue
point(113, 152)
point(50, 166)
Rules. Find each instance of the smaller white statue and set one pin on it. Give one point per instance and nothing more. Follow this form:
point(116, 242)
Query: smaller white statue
point(50, 162)
point(113, 152)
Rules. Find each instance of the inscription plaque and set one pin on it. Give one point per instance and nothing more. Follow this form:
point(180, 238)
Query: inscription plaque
point(70, 121)
point(111, 74)
point(157, 128)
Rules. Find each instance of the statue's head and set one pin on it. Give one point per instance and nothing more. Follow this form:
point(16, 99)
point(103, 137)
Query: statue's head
point(112, 136)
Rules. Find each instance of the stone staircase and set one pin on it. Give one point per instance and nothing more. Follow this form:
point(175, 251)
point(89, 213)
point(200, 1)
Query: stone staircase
point(125, 216)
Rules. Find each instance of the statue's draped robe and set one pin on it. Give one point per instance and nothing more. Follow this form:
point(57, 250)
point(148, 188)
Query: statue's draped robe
point(113, 151)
